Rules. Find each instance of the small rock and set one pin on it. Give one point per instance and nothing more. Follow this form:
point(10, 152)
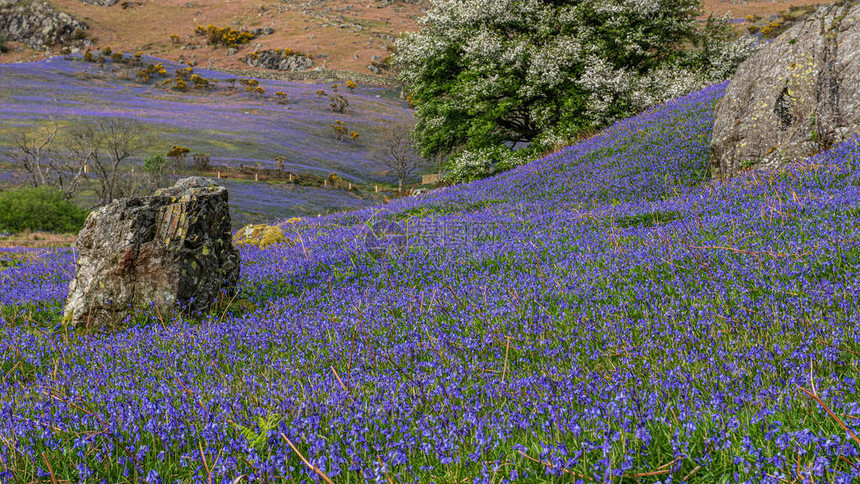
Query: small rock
point(101, 3)
point(261, 236)
point(278, 60)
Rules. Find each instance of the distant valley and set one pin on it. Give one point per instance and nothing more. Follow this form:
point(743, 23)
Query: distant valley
point(278, 134)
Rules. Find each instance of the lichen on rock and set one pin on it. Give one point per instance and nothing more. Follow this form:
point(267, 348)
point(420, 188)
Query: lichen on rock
point(171, 252)
point(795, 97)
point(260, 235)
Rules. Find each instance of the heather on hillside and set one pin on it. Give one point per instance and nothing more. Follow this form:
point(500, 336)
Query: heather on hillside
point(287, 129)
point(233, 126)
point(599, 315)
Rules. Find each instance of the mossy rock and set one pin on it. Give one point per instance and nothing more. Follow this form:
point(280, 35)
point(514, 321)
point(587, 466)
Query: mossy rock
point(260, 235)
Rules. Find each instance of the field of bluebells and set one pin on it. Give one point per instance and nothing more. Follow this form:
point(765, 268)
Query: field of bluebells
point(235, 128)
point(600, 315)
point(252, 202)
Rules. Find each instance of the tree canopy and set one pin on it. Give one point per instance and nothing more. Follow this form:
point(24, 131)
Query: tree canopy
point(488, 72)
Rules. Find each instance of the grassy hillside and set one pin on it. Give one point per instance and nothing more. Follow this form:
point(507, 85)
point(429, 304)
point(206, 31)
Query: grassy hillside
point(236, 128)
point(598, 315)
point(341, 34)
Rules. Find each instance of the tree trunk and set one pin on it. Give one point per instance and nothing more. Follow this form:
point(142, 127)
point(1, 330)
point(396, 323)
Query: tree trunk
point(39, 167)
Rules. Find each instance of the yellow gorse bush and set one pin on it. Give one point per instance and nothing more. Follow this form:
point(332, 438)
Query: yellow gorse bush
point(152, 70)
point(178, 152)
point(200, 82)
point(225, 36)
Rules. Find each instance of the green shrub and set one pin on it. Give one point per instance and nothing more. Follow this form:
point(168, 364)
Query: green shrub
point(42, 209)
point(154, 164)
point(3, 47)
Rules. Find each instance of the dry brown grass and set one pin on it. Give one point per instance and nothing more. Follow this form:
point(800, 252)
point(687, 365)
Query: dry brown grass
point(37, 240)
point(315, 30)
point(763, 8)
point(148, 26)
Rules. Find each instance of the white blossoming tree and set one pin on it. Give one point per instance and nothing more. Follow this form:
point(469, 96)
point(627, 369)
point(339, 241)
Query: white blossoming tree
point(483, 73)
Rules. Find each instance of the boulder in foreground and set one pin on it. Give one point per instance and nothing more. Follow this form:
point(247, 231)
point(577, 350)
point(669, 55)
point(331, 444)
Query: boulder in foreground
point(795, 97)
point(172, 250)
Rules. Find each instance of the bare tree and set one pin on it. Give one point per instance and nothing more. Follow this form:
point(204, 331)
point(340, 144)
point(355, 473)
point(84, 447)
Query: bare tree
point(33, 152)
point(397, 153)
point(45, 165)
point(107, 144)
point(66, 174)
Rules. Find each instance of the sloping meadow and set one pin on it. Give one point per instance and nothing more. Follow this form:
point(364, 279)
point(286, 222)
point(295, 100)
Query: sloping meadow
point(233, 126)
point(287, 127)
point(600, 315)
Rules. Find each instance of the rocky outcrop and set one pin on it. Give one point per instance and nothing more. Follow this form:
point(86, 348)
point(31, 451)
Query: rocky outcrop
point(378, 65)
point(261, 31)
point(172, 250)
point(798, 95)
point(101, 3)
point(38, 25)
point(281, 60)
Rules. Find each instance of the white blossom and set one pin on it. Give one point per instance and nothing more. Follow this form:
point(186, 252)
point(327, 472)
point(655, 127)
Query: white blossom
point(612, 54)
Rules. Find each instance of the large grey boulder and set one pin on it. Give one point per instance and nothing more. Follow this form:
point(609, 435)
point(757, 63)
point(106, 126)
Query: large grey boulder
point(172, 250)
point(797, 96)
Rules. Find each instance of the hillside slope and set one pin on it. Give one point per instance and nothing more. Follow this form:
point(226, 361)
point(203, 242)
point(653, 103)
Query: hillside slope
point(292, 133)
point(595, 314)
point(341, 34)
